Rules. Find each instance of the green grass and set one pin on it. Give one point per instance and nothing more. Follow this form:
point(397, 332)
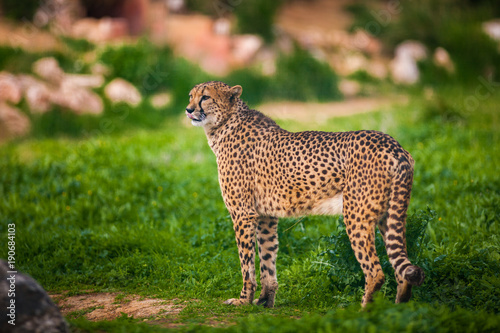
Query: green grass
point(141, 212)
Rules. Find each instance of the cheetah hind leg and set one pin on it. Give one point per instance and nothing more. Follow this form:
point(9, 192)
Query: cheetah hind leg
point(362, 237)
point(267, 237)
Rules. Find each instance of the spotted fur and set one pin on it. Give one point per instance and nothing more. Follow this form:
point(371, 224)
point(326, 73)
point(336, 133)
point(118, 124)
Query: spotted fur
point(266, 172)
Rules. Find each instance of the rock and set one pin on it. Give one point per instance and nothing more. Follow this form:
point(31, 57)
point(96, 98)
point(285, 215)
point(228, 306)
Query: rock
point(356, 61)
point(245, 47)
point(10, 88)
point(120, 90)
point(404, 71)
point(60, 14)
point(34, 310)
point(40, 96)
point(161, 100)
point(13, 123)
point(492, 29)
point(193, 37)
point(442, 58)
point(37, 94)
point(77, 99)
point(83, 80)
point(365, 42)
point(267, 60)
point(403, 67)
point(67, 90)
point(176, 6)
point(377, 69)
point(100, 30)
point(411, 49)
point(100, 69)
point(222, 26)
point(48, 69)
point(349, 88)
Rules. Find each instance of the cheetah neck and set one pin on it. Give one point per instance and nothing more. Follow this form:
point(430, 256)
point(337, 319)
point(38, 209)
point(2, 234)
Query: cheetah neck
point(240, 115)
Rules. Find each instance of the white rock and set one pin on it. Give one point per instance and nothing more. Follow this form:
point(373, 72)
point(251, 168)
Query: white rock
point(411, 49)
point(10, 88)
point(442, 58)
point(84, 80)
point(120, 90)
point(377, 69)
point(245, 47)
point(100, 30)
point(354, 62)
point(13, 123)
point(40, 96)
point(48, 69)
point(222, 26)
point(161, 100)
point(492, 29)
point(349, 88)
point(77, 99)
point(267, 60)
point(404, 71)
point(37, 94)
point(175, 6)
point(403, 67)
point(100, 69)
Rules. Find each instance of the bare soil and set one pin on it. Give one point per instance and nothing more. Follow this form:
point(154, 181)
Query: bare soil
point(307, 112)
point(109, 306)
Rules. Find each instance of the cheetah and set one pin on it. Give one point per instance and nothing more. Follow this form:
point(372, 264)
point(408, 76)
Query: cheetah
point(266, 173)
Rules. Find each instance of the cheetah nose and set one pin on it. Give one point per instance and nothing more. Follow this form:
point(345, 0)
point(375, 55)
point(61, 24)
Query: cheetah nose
point(189, 110)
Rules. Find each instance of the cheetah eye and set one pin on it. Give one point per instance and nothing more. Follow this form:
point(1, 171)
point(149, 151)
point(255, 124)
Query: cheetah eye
point(205, 97)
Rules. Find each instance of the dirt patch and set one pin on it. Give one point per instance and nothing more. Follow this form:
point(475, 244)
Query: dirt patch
point(109, 306)
point(318, 112)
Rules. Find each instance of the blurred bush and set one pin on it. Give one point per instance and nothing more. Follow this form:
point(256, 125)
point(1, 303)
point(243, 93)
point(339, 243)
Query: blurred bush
point(252, 16)
point(17, 60)
point(19, 9)
point(299, 76)
point(144, 65)
point(257, 17)
point(452, 24)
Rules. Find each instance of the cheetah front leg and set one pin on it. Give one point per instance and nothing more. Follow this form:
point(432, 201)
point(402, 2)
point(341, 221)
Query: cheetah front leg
point(267, 236)
point(244, 227)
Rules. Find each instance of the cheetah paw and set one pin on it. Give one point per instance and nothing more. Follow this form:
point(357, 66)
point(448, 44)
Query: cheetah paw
point(234, 301)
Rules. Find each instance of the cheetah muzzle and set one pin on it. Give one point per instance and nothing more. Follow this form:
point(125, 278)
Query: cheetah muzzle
point(266, 173)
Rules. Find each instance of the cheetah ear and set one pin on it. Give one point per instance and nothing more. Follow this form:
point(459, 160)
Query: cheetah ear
point(235, 92)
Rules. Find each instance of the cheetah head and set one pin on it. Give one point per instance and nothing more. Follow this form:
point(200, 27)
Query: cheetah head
point(210, 103)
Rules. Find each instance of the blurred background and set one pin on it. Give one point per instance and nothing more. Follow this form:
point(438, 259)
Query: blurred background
point(65, 64)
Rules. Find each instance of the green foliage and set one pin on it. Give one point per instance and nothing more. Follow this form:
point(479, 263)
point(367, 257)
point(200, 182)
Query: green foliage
point(257, 17)
point(78, 44)
point(299, 76)
point(20, 10)
point(16, 60)
point(147, 67)
point(252, 16)
point(452, 24)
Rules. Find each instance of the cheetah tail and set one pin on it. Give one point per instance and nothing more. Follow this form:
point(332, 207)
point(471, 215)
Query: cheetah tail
point(396, 225)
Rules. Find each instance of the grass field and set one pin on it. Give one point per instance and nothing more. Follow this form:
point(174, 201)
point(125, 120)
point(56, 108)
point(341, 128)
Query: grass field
point(141, 212)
